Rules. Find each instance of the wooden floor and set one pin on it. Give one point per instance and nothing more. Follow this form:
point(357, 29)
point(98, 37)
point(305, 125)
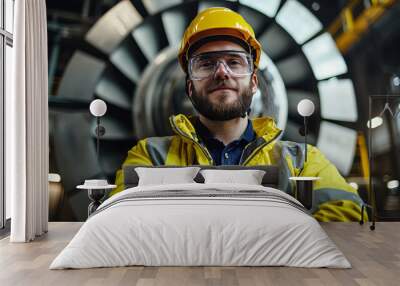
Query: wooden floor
point(374, 255)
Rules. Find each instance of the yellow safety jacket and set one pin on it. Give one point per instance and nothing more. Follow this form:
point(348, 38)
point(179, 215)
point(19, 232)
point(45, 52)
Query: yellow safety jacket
point(334, 199)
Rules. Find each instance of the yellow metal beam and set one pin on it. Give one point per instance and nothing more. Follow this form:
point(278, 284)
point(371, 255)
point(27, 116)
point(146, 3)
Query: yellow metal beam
point(362, 147)
point(348, 28)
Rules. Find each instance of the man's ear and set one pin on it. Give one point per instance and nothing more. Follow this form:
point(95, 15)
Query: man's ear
point(189, 86)
point(254, 82)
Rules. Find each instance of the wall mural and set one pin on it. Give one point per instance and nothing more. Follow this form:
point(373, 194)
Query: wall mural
point(136, 72)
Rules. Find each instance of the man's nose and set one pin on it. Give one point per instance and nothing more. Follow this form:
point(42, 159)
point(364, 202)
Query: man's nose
point(221, 71)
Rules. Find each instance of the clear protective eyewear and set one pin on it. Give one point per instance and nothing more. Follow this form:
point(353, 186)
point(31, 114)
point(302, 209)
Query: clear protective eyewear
point(236, 63)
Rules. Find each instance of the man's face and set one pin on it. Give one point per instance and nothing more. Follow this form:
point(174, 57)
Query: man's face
point(222, 97)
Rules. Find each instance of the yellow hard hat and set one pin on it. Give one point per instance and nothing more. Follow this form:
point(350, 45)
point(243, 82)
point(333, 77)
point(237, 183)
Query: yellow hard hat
point(214, 22)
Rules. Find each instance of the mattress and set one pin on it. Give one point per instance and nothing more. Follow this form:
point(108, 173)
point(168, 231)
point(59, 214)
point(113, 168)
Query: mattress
point(201, 225)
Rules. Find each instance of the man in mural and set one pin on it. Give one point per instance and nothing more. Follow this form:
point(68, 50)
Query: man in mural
point(220, 55)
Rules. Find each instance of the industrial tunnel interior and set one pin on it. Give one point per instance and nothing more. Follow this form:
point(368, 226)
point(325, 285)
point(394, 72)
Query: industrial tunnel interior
point(342, 55)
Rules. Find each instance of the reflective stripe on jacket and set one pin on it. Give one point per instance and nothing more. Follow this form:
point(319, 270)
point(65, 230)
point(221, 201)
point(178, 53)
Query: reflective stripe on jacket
point(334, 199)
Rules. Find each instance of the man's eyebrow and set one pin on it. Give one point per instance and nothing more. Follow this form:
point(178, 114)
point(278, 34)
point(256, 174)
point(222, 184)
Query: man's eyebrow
point(209, 54)
point(205, 55)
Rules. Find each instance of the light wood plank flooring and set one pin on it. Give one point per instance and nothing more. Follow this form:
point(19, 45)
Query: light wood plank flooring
point(374, 255)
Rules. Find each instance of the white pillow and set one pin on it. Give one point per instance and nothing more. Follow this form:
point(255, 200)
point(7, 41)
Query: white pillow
point(248, 177)
point(163, 176)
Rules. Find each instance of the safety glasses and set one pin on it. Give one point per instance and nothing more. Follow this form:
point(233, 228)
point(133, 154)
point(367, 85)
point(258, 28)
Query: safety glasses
point(236, 63)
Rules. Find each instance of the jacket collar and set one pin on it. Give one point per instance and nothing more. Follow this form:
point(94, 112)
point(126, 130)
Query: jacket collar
point(184, 125)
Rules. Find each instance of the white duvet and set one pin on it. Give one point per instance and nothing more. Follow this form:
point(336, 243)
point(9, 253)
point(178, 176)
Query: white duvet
point(201, 224)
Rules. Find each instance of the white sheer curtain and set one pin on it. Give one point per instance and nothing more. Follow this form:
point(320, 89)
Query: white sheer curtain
point(27, 124)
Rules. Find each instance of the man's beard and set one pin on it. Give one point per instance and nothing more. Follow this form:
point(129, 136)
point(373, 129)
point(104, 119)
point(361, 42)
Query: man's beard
point(220, 111)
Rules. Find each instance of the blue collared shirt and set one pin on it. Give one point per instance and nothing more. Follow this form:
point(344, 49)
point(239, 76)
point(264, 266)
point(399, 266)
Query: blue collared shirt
point(221, 154)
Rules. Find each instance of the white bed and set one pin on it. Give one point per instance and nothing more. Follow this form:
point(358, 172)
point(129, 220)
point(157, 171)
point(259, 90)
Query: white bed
point(201, 224)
